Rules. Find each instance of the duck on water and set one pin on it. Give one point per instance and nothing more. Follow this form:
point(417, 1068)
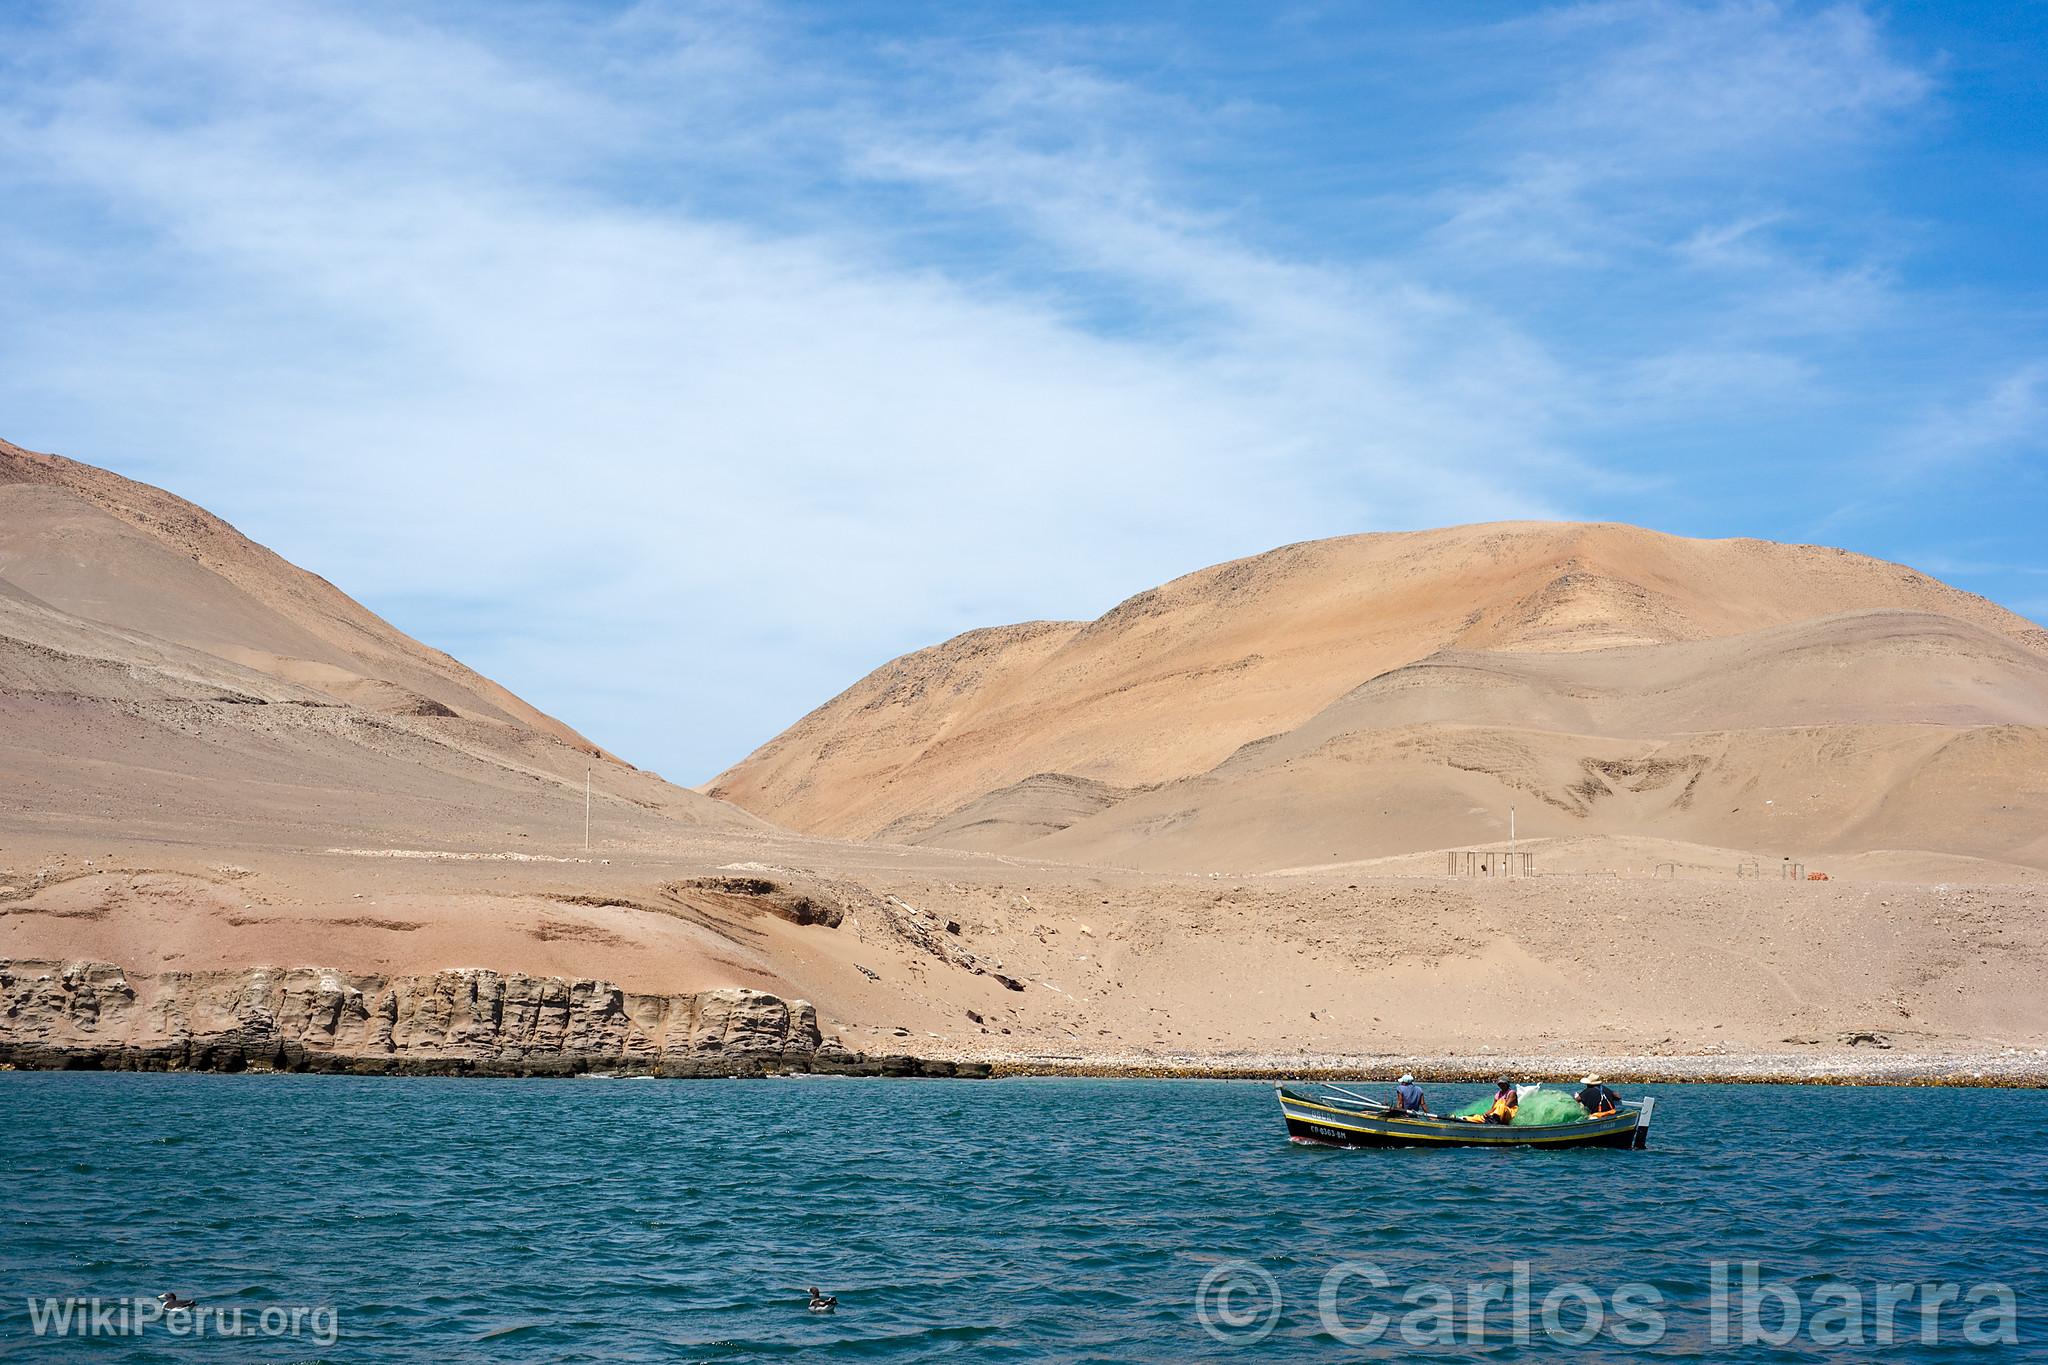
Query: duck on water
point(1516, 1116)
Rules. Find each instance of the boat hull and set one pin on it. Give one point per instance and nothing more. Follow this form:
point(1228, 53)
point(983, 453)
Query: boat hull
point(1314, 1120)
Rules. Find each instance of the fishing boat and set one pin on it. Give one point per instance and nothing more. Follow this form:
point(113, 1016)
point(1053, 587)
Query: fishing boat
point(1333, 1117)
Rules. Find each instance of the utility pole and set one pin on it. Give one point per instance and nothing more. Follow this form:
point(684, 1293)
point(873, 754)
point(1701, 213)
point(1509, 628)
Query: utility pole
point(1511, 839)
point(586, 810)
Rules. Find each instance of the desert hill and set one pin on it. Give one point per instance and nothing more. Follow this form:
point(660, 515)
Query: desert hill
point(159, 670)
point(1376, 695)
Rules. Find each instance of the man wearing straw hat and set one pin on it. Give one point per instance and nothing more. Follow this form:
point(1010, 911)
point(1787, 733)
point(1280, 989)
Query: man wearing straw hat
point(1596, 1099)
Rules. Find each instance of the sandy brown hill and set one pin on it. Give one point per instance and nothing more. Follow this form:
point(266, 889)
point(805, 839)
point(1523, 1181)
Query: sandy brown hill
point(1433, 676)
point(160, 672)
point(124, 554)
point(1873, 730)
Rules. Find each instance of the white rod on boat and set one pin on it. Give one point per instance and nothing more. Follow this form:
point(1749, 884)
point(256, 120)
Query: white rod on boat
point(1351, 1095)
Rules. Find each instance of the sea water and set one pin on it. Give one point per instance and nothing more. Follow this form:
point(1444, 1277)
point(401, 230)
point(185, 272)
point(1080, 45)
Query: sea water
point(1002, 1220)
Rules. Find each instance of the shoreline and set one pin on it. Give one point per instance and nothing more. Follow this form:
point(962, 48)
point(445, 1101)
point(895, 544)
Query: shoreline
point(91, 1015)
point(1956, 1071)
point(299, 1063)
point(1965, 1070)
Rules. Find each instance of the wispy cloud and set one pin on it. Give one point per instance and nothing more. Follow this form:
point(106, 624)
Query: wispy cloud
point(2007, 417)
point(1660, 87)
point(1608, 101)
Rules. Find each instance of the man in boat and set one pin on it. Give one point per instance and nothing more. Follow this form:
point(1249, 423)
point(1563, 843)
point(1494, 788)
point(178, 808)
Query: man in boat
point(1408, 1096)
point(1506, 1099)
point(1595, 1098)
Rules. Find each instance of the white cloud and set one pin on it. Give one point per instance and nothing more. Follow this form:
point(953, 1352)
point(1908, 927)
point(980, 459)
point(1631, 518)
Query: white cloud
point(1643, 196)
point(2006, 416)
point(1643, 129)
point(1690, 84)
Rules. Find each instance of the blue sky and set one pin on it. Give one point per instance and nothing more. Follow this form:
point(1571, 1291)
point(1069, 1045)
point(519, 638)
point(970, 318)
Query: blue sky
point(676, 364)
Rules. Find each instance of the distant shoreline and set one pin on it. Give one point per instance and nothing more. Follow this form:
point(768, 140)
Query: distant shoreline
point(1966, 1070)
point(1959, 1071)
point(299, 1063)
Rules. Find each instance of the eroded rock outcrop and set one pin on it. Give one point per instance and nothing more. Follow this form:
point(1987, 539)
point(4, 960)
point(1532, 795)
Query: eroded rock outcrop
point(468, 1020)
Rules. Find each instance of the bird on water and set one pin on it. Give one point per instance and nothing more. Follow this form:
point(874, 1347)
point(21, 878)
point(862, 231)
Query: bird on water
point(173, 1304)
point(822, 1303)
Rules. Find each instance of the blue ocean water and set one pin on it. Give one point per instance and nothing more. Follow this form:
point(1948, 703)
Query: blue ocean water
point(1005, 1220)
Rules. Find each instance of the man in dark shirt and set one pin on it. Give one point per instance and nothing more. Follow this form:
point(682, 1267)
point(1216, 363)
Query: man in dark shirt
point(1408, 1097)
point(1595, 1098)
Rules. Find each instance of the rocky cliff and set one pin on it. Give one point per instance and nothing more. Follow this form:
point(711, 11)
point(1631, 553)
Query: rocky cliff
point(465, 1021)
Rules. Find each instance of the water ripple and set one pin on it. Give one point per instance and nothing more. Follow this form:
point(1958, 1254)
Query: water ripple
point(1026, 1220)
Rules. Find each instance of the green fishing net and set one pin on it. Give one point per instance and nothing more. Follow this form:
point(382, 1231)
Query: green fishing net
point(1537, 1109)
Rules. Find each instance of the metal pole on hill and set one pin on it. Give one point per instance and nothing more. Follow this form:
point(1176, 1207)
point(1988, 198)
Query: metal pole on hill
point(586, 810)
point(1511, 839)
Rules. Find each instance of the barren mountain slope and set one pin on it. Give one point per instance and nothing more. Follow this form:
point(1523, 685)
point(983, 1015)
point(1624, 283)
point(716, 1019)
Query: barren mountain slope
point(125, 554)
point(159, 672)
point(1173, 681)
point(1871, 730)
